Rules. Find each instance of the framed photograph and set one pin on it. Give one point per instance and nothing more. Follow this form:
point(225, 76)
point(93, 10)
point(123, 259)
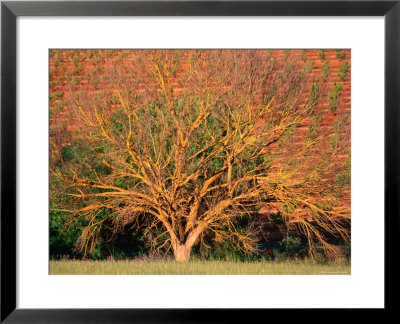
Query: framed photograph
point(197, 161)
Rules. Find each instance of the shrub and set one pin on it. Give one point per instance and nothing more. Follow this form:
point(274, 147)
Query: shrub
point(303, 55)
point(59, 59)
point(61, 79)
point(312, 131)
point(90, 53)
point(325, 70)
point(287, 53)
point(57, 107)
point(342, 73)
point(53, 84)
point(62, 238)
point(334, 97)
point(98, 59)
point(295, 246)
point(343, 176)
point(78, 69)
point(56, 95)
point(76, 80)
point(110, 52)
point(340, 54)
point(314, 95)
point(307, 68)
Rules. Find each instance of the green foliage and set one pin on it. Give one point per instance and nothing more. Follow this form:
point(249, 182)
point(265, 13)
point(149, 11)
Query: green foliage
point(57, 107)
point(74, 52)
point(62, 237)
point(313, 96)
point(216, 165)
point(76, 80)
point(61, 79)
point(313, 128)
point(307, 68)
point(68, 153)
point(277, 219)
point(58, 60)
point(78, 59)
point(96, 253)
point(288, 133)
point(325, 70)
point(122, 182)
point(53, 84)
point(93, 79)
point(334, 141)
point(342, 73)
point(78, 69)
point(343, 177)
point(295, 246)
point(338, 125)
point(321, 54)
point(287, 53)
point(334, 96)
point(303, 55)
point(340, 54)
point(289, 207)
point(110, 52)
point(114, 100)
point(98, 59)
point(174, 69)
point(287, 70)
point(224, 251)
point(56, 95)
point(90, 53)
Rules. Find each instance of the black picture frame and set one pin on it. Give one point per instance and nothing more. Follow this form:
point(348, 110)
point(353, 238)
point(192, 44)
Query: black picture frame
point(10, 10)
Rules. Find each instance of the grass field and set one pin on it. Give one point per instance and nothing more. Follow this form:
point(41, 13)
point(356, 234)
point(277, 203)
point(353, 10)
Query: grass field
point(304, 267)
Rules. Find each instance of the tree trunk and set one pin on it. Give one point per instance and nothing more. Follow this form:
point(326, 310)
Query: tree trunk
point(182, 252)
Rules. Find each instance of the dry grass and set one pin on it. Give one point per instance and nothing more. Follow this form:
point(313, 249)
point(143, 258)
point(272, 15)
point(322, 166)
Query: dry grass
point(197, 268)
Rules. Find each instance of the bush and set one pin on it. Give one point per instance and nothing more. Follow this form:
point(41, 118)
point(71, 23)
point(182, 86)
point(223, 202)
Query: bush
point(334, 97)
point(303, 55)
point(340, 54)
point(342, 73)
point(78, 69)
point(325, 70)
point(56, 95)
point(62, 238)
point(295, 246)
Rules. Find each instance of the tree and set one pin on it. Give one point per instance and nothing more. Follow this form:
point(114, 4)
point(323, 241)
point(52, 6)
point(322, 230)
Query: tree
point(184, 143)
